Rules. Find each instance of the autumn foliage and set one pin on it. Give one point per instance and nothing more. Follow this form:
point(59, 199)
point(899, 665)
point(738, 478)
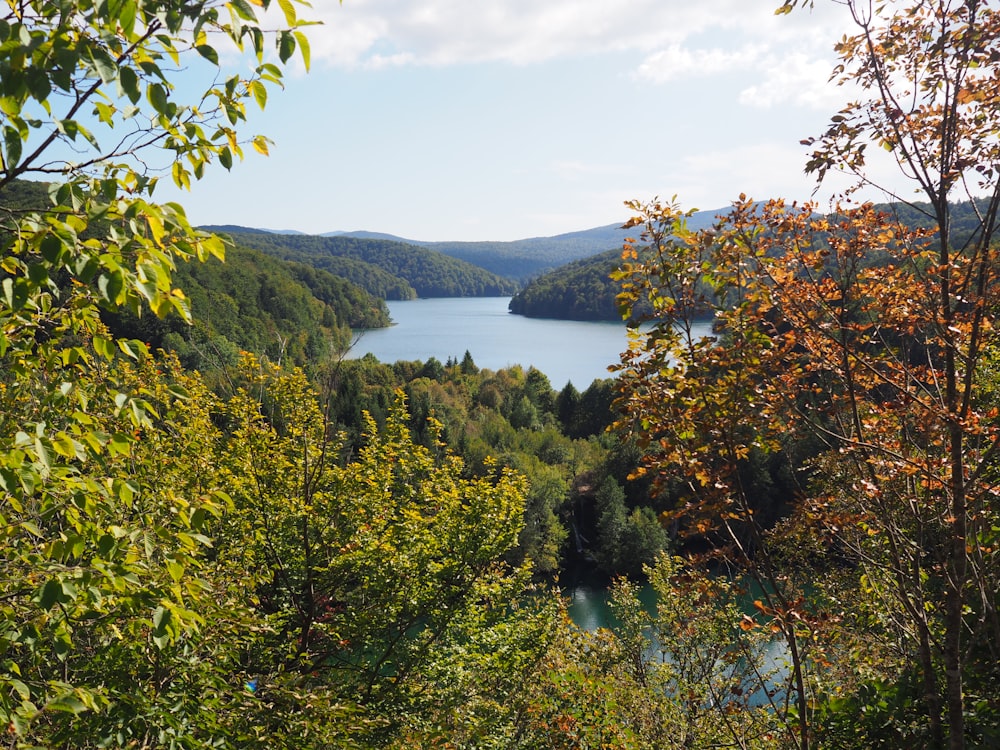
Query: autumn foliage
point(862, 349)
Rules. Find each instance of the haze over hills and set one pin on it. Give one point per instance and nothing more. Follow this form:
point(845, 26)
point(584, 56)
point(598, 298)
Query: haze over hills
point(238, 228)
point(384, 268)
point(519, 260)
point(525, 259)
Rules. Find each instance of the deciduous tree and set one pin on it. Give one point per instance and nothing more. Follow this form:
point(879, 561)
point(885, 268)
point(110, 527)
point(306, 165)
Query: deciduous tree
point(102, 547)
point(867, 340)
point(380, 576)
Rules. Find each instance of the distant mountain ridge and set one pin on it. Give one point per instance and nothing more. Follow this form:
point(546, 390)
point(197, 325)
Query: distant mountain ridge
point(583, 289)
point(522, 259)
point(224, 228)
point(365, 235)
point(518, 260)
point(384, 268)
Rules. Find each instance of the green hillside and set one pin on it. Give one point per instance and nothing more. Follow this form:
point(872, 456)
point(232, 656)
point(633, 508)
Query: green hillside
point(252, 302)
point(581, 290)
point(371, 263)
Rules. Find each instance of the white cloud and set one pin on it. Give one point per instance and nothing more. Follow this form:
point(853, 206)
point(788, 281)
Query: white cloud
point(762, 171)
point(680, 62)
point(766, 170)
point(445, 32)
point(794, 79)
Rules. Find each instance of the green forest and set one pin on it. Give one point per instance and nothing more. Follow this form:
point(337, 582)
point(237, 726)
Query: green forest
point(522, 260)
point(581, 290)
point(587, 289)
point(216, 532)
point(415, 271)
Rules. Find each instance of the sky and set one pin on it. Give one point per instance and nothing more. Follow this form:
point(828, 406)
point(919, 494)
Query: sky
point(505, 119)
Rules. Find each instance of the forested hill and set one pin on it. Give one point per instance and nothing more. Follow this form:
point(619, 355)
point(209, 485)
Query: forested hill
point(252, 302)
point(581, 290)
point(524, 259)
point(386, 268)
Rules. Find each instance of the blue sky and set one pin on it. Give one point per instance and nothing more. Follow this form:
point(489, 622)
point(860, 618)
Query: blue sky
point(505, 119)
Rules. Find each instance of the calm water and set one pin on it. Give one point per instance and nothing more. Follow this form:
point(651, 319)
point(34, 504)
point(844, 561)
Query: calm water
point(564, 350)
point(590, 608)
point(590, 605)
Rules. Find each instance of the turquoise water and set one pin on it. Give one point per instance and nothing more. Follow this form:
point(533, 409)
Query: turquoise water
point(589, 608)
point(565, 350)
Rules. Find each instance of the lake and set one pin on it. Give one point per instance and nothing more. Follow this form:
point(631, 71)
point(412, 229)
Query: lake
point(590, 609)
point(565, 350)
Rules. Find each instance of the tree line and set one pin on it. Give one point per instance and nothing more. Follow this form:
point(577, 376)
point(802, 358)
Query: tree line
point(587, 289)
point(417, 271)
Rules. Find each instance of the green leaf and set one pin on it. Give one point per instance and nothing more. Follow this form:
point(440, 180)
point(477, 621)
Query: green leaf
point(179, 392)
point(51, 594)
point(65, 446)
point(21, 689)
point(105, 113)
point(243, 10)
point(303, 41)
point(162, 626)
point(88, 136)
point(67, 703)
point(182, 178)
point(157, 96)
point(38, 84)
point(289, 10)
point(126, 17)
point(208, 52)
point(15, 293)
point(43, 454)
point(175, 569)
point(286, 45)
point(103, 64)
point(51, 248)
point(133, 349)
point(12, 147)
point(259, 93)
point(120, 444)
point(69, 128)
point(128, 83)
point(38, 274)
point(103, 347)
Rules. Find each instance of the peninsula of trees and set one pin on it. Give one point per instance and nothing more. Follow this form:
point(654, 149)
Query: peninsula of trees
point(587, 290)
